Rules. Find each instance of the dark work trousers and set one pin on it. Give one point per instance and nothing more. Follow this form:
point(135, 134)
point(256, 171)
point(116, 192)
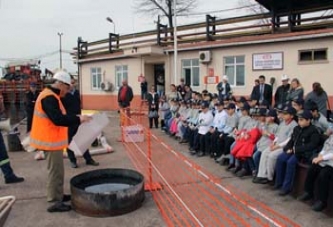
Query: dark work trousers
point(4, 160)
point(71, 156)
point(162, 123)
point(191, 134)
point(285, 171)
point(214, 140)
point(324, 176)
point(208, 143)
point(228, 141)
point(155, 120)
point(30, 113)
point(201, 145)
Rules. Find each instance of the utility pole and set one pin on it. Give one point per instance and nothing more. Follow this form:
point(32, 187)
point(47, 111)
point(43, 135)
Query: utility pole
point(175, 40)
point(60, 48)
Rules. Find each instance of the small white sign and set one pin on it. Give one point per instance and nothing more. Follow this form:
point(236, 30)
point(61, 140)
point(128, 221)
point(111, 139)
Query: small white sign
point(267, 61)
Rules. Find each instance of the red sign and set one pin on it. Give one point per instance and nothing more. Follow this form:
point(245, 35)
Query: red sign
point(211, 79)
point(211, 72)
point(140, 78)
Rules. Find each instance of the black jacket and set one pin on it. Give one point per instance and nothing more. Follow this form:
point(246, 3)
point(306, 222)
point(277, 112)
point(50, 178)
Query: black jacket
point(30, 100)
point(52, 109)
point(72, 104)
point(129, 96)
point(281, 93)
point(304, 142)
point(268, 93)
point(153, 101)
point(219, 89)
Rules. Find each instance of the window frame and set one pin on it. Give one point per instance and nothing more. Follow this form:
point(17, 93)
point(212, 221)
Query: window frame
point(191, 67)
point(122, 71)
point(235, 64)
point(96, 74)
point(312, 60)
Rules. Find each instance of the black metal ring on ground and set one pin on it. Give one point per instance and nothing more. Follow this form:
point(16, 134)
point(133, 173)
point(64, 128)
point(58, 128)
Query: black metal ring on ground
point(107, 192)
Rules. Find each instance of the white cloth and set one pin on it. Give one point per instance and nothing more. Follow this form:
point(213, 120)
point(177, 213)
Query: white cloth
point(220, 120)
point(205, 120)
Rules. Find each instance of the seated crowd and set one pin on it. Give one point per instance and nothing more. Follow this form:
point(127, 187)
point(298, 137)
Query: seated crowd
point(251, 136)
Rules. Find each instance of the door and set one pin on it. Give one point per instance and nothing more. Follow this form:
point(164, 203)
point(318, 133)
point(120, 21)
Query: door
point(159, 73)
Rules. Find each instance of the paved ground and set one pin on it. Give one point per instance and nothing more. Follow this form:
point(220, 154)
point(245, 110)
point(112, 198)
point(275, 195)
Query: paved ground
point(30, 207)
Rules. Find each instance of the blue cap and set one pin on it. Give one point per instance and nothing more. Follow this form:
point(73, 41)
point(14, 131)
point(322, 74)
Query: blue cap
point(262, 112)
point(299, 101)
point(306, 114)
point(289, 110)
point(231, 106)
point(271, 113)
point(246, 106)
point(33, 84)
point(219, 103)
point(242, 99)
point(205, 104)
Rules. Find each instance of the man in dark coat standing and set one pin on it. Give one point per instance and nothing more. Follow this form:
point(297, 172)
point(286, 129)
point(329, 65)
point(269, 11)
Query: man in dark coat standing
point(72, 104)
point(262, 91)
point(125, 95)
point(280, 97)
point(31, 98)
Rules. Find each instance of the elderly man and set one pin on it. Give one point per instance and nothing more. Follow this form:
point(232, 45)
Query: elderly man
point(223, 88)
point(125, 95)
point(49, 133)
point(280, 97)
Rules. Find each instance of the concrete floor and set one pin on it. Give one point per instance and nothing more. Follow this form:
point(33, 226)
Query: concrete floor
point(30, 207)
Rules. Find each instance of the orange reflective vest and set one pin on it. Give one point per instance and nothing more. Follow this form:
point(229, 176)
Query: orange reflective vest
point(45, 135)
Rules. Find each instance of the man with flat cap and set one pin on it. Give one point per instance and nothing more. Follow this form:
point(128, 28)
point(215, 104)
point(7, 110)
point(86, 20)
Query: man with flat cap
point(31, 97)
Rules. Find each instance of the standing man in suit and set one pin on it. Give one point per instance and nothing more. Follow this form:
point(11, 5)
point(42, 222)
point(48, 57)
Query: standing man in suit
point(72, 104)
point(262, 91)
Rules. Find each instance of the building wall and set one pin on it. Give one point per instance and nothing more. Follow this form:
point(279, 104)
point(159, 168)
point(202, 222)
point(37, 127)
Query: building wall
point(306, 73)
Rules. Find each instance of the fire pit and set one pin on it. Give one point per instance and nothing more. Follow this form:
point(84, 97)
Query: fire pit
point(107, 192)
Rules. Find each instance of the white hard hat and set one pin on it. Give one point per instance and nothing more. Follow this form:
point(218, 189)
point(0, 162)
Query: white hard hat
point(62, 76)
point(284, 77)
point(225, 77)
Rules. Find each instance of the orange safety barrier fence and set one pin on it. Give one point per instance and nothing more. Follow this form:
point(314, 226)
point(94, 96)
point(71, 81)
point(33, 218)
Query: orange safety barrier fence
point(185, 193)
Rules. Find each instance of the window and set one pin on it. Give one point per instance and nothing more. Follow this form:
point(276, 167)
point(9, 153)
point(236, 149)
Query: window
point(121, 74)
point(190, 71)
point(96, 78)
point(234, 68)
point(313, 55)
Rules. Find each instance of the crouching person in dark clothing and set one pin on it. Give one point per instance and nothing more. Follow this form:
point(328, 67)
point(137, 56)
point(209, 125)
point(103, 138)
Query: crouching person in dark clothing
point(305, 139)
point(321, 171)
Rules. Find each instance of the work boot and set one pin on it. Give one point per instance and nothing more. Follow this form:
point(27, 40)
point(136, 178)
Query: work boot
point(319, 206)
point(66, 198)
point(305, 197)
point(59, 207)
point(74, 165)
point(13, 179)
point(92, 162)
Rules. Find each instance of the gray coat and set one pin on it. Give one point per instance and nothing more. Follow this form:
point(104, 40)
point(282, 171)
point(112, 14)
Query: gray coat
point(320, 100)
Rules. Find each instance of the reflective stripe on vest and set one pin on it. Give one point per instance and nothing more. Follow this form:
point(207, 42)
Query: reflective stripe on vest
point(49, 144)
point(3, 162)
point(45, 135)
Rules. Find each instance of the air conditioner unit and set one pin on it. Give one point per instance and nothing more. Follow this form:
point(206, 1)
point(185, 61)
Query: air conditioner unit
point(107, 86)
point(205, 56)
